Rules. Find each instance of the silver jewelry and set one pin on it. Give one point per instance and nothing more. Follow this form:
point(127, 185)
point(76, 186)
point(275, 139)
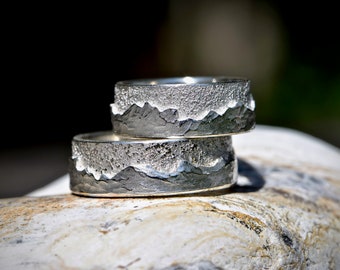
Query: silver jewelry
point(170, 136)
point(105, 164)
point(188, 106)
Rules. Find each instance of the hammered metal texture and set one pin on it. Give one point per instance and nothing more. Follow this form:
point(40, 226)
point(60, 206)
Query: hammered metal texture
point(105, 164)
point(217, 107)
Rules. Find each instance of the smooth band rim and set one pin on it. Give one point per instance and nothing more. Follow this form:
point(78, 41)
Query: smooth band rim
point(115, 138)
point(183, 81)
point(198, 192)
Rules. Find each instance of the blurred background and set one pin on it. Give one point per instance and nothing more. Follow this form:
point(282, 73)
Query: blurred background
point(60, 64)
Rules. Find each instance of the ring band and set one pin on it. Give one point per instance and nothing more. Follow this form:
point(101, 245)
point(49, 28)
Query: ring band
point(185, 106)
point(105, 164)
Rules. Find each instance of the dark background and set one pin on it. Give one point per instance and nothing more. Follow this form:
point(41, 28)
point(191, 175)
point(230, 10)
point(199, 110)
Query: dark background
point(60, 64)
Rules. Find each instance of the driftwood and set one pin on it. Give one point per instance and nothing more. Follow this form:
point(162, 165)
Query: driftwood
point(283, 214)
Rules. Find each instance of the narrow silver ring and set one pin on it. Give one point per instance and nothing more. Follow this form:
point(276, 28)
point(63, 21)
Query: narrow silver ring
point(183, 107)
point(105, 164)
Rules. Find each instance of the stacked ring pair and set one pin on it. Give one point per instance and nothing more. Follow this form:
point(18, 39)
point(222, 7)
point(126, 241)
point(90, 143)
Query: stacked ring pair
point(170, 136)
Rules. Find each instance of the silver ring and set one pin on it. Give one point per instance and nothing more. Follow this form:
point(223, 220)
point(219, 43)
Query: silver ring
point(105, 164)
point(185, 106)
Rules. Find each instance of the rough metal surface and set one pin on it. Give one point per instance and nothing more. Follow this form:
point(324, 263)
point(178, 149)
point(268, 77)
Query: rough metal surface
point(282, 214)
point(148, 121)
point(106, 165)
point(215, 106)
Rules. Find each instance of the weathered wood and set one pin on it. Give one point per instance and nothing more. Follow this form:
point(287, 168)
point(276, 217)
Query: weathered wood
point(283, 214)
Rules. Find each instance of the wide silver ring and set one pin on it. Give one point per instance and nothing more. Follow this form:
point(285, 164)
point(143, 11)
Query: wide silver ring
point(105, 164)
point(183, 107)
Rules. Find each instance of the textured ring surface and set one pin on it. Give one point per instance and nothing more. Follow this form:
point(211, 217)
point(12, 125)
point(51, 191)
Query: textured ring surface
point(104, 164)
point(186, 106)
